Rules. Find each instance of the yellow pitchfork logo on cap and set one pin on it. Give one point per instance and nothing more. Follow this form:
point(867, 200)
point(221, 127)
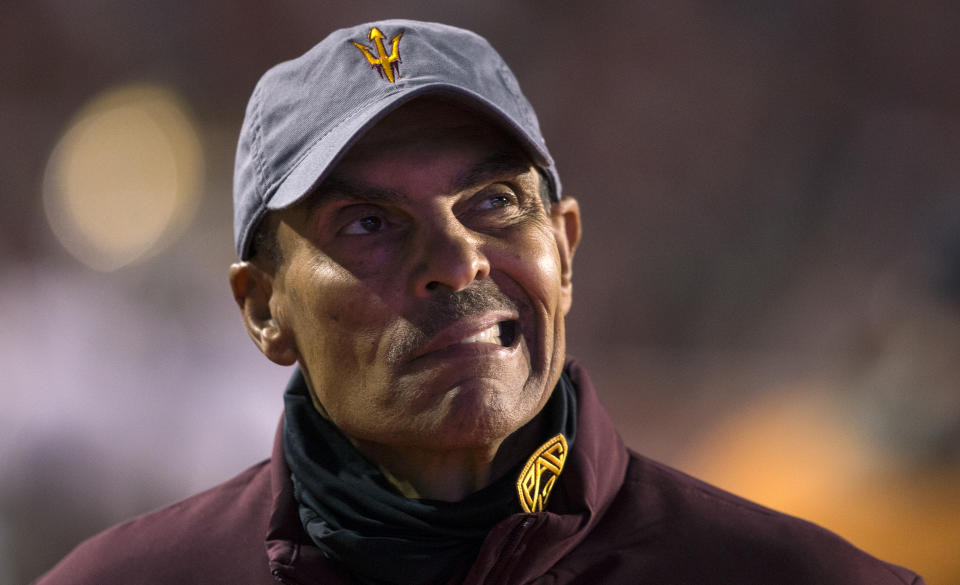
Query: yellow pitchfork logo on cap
point(540, 474)
point(388, 65)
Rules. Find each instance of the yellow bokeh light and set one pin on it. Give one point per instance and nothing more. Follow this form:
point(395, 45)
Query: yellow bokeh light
point(124, 179)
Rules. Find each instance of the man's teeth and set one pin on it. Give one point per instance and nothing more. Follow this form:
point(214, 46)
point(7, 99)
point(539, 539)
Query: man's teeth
point(489, 335)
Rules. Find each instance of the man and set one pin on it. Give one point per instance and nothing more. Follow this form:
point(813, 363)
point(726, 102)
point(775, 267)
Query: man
point(404, 241)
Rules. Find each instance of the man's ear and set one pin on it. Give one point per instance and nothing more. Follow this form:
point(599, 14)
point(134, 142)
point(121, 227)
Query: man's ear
point(253, 291)
point(565, 218)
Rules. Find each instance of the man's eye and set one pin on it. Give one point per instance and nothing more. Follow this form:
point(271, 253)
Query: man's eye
point(365, 225)
point(498, 201)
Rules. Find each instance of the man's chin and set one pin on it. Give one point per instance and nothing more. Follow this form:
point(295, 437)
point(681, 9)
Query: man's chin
point(482, 411)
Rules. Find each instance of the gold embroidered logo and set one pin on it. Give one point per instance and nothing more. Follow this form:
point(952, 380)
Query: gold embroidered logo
point(540, 473)
point(386, 65)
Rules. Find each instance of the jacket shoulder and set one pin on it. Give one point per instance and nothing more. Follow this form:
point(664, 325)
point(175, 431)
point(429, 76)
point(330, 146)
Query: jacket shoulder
point(212, 537)
point(671, 527)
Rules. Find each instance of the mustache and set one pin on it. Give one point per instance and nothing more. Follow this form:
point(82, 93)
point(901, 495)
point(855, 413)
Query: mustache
point(445, 309)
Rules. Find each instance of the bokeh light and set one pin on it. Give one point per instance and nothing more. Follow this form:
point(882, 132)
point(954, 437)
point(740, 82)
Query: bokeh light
point(123, 180)
point(799, 450)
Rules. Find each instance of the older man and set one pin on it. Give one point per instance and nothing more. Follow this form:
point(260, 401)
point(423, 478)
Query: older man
point(405, 242)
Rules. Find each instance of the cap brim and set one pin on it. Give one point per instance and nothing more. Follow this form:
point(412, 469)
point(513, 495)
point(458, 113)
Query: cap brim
point(326, 152)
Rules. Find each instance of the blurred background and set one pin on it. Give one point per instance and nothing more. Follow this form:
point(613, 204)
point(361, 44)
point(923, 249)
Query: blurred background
point(768, 295)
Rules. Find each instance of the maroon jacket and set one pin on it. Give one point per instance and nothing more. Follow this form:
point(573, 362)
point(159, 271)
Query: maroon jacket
point(615, 518)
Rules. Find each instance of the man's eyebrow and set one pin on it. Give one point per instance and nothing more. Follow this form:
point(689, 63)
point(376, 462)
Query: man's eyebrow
point(334, 188)
point(500, 164)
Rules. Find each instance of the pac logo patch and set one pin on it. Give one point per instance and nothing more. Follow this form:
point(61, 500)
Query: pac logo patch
point(540, 473)
point(386, 65)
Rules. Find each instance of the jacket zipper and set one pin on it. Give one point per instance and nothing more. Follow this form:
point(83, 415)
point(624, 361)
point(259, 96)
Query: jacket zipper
point(279, 578)
point(511, 543)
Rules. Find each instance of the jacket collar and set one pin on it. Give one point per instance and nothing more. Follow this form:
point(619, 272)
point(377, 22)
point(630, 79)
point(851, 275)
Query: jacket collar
point(292, 556)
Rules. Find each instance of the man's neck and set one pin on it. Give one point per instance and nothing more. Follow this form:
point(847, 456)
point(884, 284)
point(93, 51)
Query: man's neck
point(452, 475)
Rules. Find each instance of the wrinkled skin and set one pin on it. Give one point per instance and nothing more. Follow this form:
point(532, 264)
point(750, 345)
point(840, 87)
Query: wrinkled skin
point(430, 230)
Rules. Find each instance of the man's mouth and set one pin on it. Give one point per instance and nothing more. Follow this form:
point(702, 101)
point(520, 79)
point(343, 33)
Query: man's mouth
point(495, 330)
point(502, 333)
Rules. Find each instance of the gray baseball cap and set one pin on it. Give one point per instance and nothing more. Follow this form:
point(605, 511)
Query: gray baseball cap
point(305, 114)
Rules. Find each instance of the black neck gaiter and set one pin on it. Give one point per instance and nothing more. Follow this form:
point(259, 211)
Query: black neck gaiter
point(357, 517)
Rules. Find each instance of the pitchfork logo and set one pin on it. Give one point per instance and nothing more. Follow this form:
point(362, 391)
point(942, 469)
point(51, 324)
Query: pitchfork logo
point(386, 65)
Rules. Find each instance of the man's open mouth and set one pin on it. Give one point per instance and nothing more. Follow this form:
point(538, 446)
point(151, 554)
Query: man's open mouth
point(503, 333)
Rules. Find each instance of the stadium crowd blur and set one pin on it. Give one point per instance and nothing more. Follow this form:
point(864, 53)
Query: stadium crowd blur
point(768, 294)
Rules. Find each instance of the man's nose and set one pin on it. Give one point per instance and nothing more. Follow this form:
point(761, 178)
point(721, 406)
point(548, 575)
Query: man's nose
point(450, 259)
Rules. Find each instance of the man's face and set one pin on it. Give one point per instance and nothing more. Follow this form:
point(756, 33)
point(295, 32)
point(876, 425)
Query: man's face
point(424, 286)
